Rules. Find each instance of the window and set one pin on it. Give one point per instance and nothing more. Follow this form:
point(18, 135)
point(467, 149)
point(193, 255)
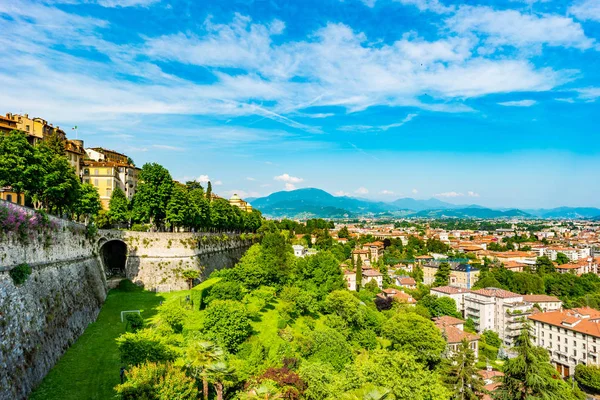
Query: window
point(566, 341)
point(96, 171)
point(27, 128)
point(96, 182)
point(575, 352)
point(9, 197)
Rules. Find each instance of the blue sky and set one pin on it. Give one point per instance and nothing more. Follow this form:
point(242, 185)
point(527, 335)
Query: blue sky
point(494, 103)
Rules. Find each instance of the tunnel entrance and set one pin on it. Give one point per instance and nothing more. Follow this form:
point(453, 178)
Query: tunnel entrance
point(114, 257)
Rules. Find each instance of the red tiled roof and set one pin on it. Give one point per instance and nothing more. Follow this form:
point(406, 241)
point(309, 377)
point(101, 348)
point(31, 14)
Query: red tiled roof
point(448, 320)
point(450, 290)
point(584, 320)
point(494, 292)
point(540, 298)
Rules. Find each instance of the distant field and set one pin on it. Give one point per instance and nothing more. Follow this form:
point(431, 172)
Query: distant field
point(90, 368)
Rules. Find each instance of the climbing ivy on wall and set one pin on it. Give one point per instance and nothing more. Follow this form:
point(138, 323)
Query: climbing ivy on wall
point(20, 273)
point(26, 226)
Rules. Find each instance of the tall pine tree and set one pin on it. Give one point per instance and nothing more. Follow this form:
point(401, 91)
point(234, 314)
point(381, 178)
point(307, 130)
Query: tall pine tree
point(358, 273)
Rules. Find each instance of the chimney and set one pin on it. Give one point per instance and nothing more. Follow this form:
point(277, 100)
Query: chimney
point(26, 115)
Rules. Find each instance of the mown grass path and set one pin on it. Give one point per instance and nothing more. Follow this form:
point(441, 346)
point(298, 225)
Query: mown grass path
point(90, 368)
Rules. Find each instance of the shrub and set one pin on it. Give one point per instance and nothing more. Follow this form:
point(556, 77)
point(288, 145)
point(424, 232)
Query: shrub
point(225, 291)
point(157, 381)
point(139, 228)
point(135, 322)
point(144, 345)
point(227, 322)
point(174, 315)
point(20, 273)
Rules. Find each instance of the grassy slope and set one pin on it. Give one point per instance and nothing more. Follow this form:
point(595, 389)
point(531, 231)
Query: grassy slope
point(90, 368)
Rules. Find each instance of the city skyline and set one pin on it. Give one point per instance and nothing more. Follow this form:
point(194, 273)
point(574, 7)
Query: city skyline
point(492, 105)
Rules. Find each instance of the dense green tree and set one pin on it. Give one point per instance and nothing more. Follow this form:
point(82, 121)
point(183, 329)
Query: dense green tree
point(18, 166)
point(343, 233)
point(345, 305)
point(153, 194)
point(543, 265)
point(418, 274)
point(178, 207)
point(222, 215)
point(401, 373)
point(88, 202)
point(199, 209)
point(59, 185)
point(490, 337)
point(442, 275)
point(440, 306)
point(118, 207)
point(329, 346)
point(227, 322)
point(415, 334)
point(561, 258)
point(319, 274)
point(588, 377)
point(530, 375)
point(462, 376)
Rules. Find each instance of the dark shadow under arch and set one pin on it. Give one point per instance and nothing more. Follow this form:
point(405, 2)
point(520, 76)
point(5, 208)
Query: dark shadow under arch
point(114, 257)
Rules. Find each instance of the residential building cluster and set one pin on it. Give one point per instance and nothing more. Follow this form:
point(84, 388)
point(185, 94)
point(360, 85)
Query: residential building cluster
point(105, 169)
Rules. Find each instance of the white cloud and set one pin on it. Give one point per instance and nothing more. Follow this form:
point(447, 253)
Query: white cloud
point(126, 3)
point(361, 190)
point(265, 185)
point(428, 5)
point(341, 193)
point(414, 191)
point(511, 27)
point(218, 183)
point(370, 128)
point(586, 10)
point(386, 192)
point(518, 103)
point(472, 194)
point(249, 178)
point(203, 179)
point(241, 193)
point(290, 186)
point(589, 93)
point(166, 147)
point(449, 194)
point(288, 178)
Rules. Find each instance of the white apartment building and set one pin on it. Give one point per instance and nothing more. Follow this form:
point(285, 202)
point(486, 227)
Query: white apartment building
point(499, 310)
point(299, 250)
point(572, 253)
point(571, 337)
point(367, 276)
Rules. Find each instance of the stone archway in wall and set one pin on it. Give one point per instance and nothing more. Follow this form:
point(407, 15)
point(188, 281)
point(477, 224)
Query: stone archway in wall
point(113, 253)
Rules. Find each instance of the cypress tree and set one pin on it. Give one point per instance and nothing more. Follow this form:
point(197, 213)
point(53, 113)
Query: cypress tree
point(358, 273)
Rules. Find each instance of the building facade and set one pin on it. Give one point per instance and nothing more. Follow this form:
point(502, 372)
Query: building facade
point(571, 337)
point(461, 275)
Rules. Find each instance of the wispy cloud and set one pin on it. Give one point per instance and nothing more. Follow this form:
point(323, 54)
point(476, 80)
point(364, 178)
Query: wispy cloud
point(361, 190)
point(378, 128)
point(449, 194)
point(167, 147)
point(386, 192)
point(340, 193)
point(472, 194)
point(518, 103)
point(586, 10)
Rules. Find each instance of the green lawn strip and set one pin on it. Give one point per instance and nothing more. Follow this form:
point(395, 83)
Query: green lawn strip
point(90, 368)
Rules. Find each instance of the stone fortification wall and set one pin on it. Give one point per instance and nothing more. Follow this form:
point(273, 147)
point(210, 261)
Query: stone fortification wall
point(41, 317)
point(156, 260)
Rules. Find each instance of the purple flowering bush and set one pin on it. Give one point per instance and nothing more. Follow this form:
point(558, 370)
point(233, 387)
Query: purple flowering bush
point(26, 225)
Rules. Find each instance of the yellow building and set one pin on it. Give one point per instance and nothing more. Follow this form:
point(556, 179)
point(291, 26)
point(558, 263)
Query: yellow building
point(461, 275)
point(104, 176)
point(235, 200)
point(7, 124)
point(126, 174)
point(7, 194)
point(75, 153)
point(36, 128)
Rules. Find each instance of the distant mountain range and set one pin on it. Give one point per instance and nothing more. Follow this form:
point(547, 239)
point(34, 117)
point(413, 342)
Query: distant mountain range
point(317, 203)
